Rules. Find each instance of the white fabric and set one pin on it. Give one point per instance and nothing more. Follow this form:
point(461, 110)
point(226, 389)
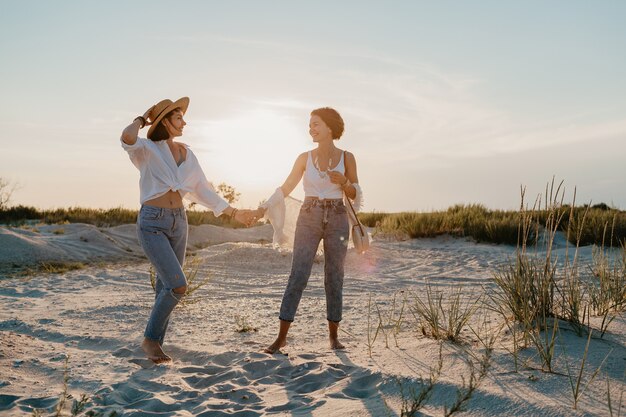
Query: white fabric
point(275, 211)
point(320, 186)
point(282, 212)
point(357, 203)
point(159, 174)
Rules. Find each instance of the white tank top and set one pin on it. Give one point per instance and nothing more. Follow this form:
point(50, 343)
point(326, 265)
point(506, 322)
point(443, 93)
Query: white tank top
point(317, 184)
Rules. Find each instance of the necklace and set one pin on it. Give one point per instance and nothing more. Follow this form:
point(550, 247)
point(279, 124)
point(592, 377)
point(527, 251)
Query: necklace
point(322, 174)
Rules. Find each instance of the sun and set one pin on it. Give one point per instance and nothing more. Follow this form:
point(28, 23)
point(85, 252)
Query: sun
point(254, 150)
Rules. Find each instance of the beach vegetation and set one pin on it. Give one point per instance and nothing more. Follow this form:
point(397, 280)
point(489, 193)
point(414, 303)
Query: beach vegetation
point(6, 192)
point(607, 289)
point(50, 267)
point(20, 215)
point(59, 267)
point(527, 285)
point(443, 319)
point(609, 398)
point(540, 290)
point(577, 383)
point(228, 192)
point(481, 224)
point(477, 373)
point(413, 398)
point(389, 322)
point(243, 325)
point(473, 221)
point(79, 407)
point(191, 268)
point(371, 334)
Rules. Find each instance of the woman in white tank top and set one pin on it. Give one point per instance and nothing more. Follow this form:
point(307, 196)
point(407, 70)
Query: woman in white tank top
point(328, 173)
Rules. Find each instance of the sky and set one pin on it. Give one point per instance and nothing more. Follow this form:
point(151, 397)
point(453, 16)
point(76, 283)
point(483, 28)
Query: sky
point(444, 102)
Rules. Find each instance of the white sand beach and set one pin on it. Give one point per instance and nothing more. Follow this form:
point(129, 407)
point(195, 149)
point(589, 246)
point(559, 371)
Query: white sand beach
point(94, 317)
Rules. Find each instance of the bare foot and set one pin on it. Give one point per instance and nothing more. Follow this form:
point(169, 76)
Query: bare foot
point(333, 328)
point(336, 344)
point(154, 352)
point(275, 347)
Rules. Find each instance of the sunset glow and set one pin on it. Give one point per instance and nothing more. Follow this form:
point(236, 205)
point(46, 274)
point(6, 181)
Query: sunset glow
point(441, 106)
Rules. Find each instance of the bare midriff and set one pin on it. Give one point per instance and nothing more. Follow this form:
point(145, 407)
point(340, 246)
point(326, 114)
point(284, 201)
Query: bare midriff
point(171, 199)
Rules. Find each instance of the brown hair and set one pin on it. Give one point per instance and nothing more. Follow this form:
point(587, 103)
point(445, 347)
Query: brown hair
point(160, 132)
point(332, 119)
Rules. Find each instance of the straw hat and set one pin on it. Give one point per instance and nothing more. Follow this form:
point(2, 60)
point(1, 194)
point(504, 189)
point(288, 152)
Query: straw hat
point(162, 108)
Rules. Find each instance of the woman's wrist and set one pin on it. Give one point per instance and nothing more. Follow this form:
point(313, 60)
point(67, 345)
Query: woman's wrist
point(346, 184)
point(141, 120)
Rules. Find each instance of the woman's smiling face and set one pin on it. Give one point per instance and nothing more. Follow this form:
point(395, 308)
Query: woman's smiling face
point(318, 130)
point(175, 124)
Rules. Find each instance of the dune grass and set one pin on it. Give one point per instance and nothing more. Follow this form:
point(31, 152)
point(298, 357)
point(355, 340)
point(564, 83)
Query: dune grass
point(500, 226)
point(602, 224)
point(19, 215)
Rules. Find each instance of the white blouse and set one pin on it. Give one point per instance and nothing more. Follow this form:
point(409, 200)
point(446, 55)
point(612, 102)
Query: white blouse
point(159, 174)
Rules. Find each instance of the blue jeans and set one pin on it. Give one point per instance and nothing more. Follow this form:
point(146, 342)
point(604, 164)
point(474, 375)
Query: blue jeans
point(318, 219)
point(163, 236)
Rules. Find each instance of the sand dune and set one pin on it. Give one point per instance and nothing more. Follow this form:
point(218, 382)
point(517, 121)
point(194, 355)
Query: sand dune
point(87, 243)
point(95, 316)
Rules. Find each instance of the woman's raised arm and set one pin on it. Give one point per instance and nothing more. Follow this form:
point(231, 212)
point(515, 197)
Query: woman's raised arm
point(129, 135)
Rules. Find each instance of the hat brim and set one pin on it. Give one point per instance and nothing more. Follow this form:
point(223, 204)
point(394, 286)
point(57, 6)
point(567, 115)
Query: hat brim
point(181, 103)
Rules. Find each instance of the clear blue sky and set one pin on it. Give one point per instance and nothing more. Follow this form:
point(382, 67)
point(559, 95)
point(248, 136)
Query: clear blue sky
point(444, 102)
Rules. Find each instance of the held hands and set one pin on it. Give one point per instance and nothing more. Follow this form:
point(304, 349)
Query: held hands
point(246, 217)
point(258, 213)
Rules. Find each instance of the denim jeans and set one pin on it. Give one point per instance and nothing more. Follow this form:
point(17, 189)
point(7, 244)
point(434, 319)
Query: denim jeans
point(163, 236)
point(318, 219)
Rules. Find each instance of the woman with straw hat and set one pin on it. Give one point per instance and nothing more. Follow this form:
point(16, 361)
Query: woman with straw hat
point(169, 172)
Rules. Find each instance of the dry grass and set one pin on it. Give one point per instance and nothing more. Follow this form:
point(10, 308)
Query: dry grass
point(243, 325)
point(499, 226)
point(194, 283)
point(19, 215)
point(440, 318)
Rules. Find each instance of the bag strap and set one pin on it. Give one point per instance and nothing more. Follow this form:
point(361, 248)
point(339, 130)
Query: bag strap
point(350, 203)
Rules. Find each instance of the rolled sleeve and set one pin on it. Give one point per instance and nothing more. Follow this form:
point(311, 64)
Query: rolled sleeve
point(139, 143)
point(135, 151)
point(205, 195)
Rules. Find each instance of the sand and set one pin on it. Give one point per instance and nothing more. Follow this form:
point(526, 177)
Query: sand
point(94, 318)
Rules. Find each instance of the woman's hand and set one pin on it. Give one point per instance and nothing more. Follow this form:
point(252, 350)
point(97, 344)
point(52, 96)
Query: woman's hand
point(245, 217)
point(146, 114)
point(258, 214)
point(337, 177)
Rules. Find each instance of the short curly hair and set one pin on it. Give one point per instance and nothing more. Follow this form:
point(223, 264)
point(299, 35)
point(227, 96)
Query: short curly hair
point(332, 118)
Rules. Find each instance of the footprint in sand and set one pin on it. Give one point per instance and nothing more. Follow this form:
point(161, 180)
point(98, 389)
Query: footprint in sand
point(123, 353)
point(308, 356)
point(364, 386)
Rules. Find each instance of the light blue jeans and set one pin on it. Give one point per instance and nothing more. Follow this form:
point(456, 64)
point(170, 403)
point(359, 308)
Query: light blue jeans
point(163, 236)
point(318, 219)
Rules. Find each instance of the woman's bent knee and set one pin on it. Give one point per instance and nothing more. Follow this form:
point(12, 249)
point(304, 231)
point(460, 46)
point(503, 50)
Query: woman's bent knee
point(180, 290)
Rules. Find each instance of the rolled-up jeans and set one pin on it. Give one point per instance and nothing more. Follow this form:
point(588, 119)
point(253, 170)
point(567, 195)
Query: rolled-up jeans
point(162, 233)
point(318, 219)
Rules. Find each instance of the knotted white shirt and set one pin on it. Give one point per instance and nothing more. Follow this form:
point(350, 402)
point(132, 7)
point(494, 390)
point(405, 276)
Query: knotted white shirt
point(159, 174)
